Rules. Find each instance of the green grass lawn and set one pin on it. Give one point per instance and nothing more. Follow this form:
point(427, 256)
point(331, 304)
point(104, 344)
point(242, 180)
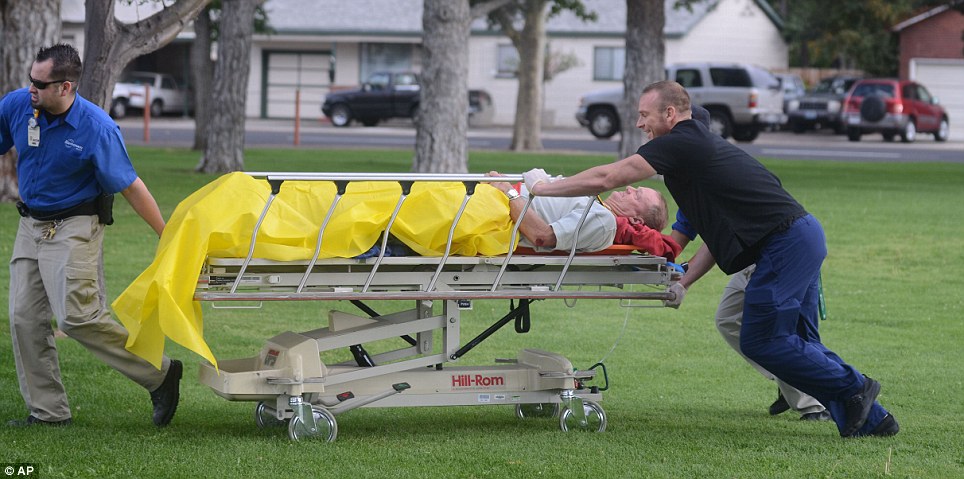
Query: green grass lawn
point(681, 403)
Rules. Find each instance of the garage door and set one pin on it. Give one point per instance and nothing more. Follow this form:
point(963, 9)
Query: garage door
point(288, 72)
point(943, 78)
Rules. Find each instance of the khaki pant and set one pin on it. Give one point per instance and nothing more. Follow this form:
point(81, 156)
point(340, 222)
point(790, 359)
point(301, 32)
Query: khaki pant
point(63, 277)
point(729, 318)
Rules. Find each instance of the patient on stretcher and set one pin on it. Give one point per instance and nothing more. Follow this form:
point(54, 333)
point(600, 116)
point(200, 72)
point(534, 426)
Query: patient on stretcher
point(634, 216)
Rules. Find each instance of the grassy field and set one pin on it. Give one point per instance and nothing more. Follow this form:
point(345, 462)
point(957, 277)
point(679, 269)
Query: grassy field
point(681, 403)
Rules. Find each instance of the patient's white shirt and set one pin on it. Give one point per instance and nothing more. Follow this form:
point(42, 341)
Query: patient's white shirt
point(563, 215)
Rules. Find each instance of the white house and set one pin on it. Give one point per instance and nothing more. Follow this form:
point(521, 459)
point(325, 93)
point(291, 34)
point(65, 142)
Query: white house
point(320, 45)
point(324, 44)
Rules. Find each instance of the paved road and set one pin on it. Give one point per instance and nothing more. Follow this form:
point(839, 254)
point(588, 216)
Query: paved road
point(400, 134)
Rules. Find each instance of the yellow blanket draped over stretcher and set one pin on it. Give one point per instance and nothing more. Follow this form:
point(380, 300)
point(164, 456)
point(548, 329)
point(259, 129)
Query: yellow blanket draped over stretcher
point(218, 220)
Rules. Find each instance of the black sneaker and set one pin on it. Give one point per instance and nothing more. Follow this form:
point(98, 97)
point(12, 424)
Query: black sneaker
point(858, 407)
point(166, 397)
point(816, 416)
point(33, 421)
point(780, 405)
point(887, 427)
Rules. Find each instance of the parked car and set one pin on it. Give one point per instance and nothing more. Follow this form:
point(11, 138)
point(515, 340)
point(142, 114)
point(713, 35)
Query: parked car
point(893, 107)
point(821, 107)
point(167, 95)
point(387, 95)
point(598, 111)
point(742, 99)
point(793, 88)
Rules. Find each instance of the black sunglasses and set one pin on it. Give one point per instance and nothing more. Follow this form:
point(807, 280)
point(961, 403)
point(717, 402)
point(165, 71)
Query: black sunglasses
point(40, 85)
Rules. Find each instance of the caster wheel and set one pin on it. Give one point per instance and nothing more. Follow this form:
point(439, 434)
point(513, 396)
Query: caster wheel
point(539, 410)
point(595, 418)
point(264, 416)
point(325, 427)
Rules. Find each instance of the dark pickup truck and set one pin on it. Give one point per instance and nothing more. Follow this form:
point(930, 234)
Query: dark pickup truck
point(386, 95)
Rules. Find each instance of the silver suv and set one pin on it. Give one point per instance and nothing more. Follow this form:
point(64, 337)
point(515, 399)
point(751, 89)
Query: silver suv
point(742, 99)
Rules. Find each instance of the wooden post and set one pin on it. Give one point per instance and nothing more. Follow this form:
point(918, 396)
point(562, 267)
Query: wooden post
point(147, 114)
point(297, 117)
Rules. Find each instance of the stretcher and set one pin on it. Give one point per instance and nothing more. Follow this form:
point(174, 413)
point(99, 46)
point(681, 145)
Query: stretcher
point(293, 386)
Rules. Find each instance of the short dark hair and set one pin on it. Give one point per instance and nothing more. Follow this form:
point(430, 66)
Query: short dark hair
point(670, 94)
point(67, 65)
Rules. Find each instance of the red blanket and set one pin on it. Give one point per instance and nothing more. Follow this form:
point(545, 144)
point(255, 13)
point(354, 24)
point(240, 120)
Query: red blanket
point(646, 239)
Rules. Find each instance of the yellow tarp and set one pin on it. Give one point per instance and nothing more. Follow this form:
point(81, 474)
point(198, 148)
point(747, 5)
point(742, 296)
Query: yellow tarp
point(218, 220)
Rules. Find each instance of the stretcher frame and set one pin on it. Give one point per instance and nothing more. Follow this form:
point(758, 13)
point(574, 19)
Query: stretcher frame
point(292, 384)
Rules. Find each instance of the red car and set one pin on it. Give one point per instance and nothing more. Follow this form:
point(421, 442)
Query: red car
point(893, 107)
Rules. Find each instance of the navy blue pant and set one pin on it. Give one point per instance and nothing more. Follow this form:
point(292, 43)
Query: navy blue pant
point(781, 320)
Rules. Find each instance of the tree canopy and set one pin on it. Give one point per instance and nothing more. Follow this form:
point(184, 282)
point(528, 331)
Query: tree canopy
point(857, 35)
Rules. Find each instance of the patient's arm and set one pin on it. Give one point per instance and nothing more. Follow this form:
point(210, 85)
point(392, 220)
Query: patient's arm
point(533, 227)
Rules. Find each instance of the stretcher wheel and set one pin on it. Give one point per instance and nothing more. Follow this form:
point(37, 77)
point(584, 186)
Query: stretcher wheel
point(595, 418)
point(264, 416)
point(325, 426)
point(538, 410)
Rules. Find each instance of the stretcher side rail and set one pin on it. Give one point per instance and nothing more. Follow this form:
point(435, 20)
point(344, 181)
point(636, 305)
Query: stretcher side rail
point(462, 277)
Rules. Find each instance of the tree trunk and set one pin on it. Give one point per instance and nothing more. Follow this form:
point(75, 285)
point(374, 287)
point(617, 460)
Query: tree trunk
point(645, 58)
point(224, 151)
point(531, 44)
point(110, 45)
point(25, 27)
point(441, 142)
point(202, 76)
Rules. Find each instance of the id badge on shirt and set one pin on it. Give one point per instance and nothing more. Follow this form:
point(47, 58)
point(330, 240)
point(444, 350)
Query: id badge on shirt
point(33, 133)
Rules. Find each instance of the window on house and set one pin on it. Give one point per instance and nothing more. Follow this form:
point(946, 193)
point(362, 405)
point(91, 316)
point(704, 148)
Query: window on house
point(609, 63)
point(507, 61)
point(386, 57)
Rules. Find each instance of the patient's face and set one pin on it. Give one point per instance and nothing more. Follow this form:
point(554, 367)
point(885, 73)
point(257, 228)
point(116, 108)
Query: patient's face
point(633, 202)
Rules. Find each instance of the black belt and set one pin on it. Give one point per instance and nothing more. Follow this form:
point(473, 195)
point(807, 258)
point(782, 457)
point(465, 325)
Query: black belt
point(87, 208)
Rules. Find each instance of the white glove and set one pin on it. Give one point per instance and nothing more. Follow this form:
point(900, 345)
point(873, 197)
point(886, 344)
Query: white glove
point(679, 291)
point(534, 177)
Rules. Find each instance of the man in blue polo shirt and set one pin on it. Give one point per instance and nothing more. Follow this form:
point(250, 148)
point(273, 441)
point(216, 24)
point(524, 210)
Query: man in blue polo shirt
point(744, 217)
point(71, 160)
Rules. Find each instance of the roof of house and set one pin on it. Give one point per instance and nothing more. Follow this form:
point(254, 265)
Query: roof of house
point(404, 17)
point(959, 4)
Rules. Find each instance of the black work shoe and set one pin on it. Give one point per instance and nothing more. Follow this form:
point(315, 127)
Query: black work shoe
point(858, 407)
point(166, 397)
point(780, 405)
point(887, 427)
point(816, 416)
point(33, 421)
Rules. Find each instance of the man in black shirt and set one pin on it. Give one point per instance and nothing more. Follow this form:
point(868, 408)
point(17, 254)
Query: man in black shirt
point(744, 216)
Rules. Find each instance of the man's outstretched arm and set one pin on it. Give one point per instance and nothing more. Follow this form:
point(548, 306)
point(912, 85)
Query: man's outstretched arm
point(593, 181)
